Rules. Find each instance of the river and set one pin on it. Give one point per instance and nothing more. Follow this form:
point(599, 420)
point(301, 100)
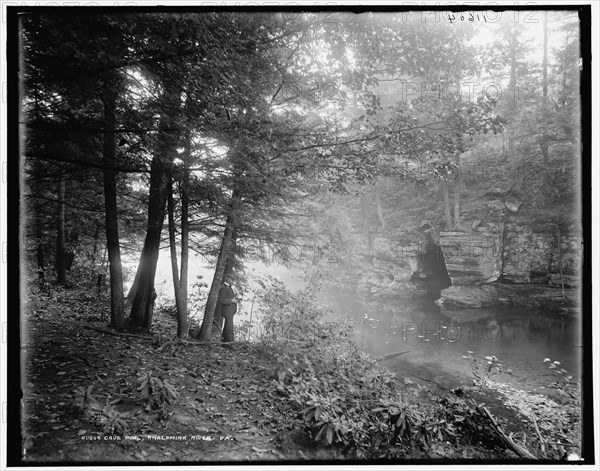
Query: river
point(436, 340)
point(440, 343)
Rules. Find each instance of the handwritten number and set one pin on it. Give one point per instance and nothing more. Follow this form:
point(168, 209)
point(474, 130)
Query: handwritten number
point(471, 17)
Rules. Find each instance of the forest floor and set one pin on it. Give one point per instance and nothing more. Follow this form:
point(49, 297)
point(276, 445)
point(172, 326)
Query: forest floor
point(84, 402)
point(225, 410)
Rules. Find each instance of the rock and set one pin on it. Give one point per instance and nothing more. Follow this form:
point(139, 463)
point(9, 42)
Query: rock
point(183, 418)
point(513, 206)
point(470, 258)
point(517, 277)
point(568, 280)
point(469, 296)
point(495, 204)
point(497, 192)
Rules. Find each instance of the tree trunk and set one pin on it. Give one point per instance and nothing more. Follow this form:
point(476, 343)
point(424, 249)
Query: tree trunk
point(117, 310)
point(457, 207)
point(565, 59)
point(560, 258)
point(545, 150)
point(181, 315)
point(229, 264)
point(99, 276)
point(566, 66)
point(185, 225)
point(96, 240)
point(513, 86)
point(364, 207)
point(39, 249)
point(211, 302)
point(60, 265)
point(544, 142)
point(73, 240)
point(133, 289)
point(144, 293)
point(447, 215)
point(504, 228)
point(545, 59)
point(457, 189)
point(183, 279)
point(378, 204)
point(141, 304)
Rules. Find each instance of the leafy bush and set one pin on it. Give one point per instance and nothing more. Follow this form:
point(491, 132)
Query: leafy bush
point(552, 421)
point(242, 330)
point(197, 295)
point(104, 415)
point(564, 383)
point(560, 427)
point(343, 396)
point(155, 393)
point(483, 372)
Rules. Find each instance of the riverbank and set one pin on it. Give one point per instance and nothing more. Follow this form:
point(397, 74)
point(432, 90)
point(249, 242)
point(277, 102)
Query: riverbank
point(92, 395)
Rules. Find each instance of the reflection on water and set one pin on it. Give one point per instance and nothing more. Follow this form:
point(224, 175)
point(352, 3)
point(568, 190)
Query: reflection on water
point(437, 340)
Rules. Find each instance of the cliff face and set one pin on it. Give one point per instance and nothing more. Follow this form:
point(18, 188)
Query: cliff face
point(509, 256)
point(503, 251)
point(383, 267)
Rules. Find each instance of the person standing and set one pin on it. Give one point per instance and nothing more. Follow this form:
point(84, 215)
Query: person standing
point(228, 303)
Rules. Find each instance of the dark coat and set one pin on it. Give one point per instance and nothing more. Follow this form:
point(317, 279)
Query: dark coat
point(228, 309)
point(226, 296)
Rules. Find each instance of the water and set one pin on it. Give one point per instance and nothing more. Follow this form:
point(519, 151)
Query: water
point(437, 341)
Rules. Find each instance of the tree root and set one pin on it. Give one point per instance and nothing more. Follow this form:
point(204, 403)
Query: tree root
point(118, 334)
point(195, 342)
point(521, 451)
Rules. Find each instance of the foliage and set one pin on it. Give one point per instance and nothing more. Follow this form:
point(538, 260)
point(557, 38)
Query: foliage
point(564, 383)
point(346, 398)
point(155, 393)
point(248, 114)
point(562, 427)
point(105, 415)
point(197, 296)
point(243, 330)
point(552, 421)
point(483, 371)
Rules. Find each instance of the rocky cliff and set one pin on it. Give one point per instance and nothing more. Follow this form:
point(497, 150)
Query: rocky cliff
point(503, 251)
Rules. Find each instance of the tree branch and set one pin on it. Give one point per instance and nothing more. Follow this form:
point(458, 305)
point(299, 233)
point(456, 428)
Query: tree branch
point(98, 210)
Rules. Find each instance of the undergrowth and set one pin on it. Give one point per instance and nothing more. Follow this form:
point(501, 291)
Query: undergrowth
point(345, 398)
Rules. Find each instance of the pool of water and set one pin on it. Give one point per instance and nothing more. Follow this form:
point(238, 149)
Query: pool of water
point(438, 342)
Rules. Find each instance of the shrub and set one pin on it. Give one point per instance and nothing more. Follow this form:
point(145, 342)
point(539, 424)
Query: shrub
point(104, 415)
point(341, 395)
point(344, 397)
point(155, 393)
